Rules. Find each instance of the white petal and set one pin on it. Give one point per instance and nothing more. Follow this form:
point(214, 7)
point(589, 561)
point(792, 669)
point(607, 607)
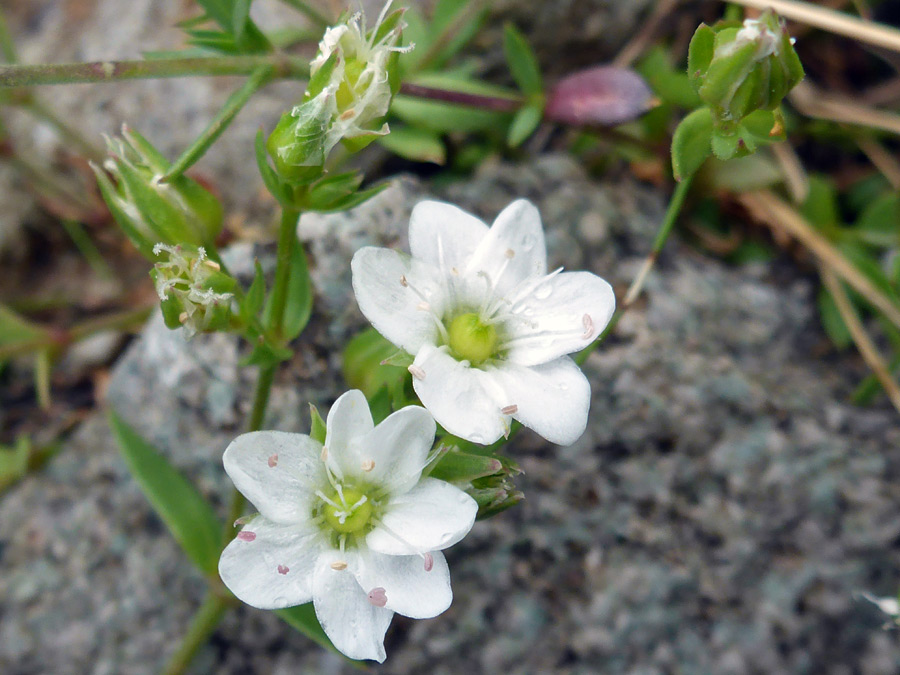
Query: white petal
point(348, 418)
point(443, 235)
point(393, 453)
point(275, 569)
point(456, 396)
point(410, 590)
point(513, 250)
point(397, 311)
point(553, 399)
point(432, 516)
point(277, 471)
point(352, 623)
point(561, 315)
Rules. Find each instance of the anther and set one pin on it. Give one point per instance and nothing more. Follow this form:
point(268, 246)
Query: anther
point(212, 264)
point(429, 562)
point(347, 114)
point(588, 324)
point(324, 455)
point(273, 461)
point(378, 597)
point(510, 409)
point(244, 535)
point(368, 465)
point(403, 281)
point(416, 372)
point(423, 306)
point(283, 569)
point(183, 317)
point(338, 565)
point(510, 253)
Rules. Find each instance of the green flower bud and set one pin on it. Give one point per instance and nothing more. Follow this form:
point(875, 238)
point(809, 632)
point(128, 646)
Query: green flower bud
point(148, 210)
point(298, 145)
point(737, 69)
point(194, 292)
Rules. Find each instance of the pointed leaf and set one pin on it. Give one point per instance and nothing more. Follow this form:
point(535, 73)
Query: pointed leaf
point(317, 428)
point(524, 124)
point(460, 467)
point(417, 145)
point(522, 61)
point(189, 517)
point(298, 306)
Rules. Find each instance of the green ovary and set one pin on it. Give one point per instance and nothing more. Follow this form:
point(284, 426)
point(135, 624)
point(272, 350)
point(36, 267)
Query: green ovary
point(354, 519)
point(346, 96)
point(471, 339)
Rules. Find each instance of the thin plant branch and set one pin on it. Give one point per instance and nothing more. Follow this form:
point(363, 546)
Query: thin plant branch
point(21, 75)
point(861, 339)
point(781, 217)
point(649, 27)
point(813, 102)
point(792, 169)
point(883, 160)
point(496, 103)
point(875, 34)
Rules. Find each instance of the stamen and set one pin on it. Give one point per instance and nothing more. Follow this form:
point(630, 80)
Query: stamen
point(182, 317)
point(510, 409)
point(377, 597)
point(362, 500)
point(347, 114)
point(403, 281)
point(244, 535)
point(416, 372)
point(412, 549)
point(273, 461)
point(368, 465)
point(283, 569)
point(324, 455)
point(330, 502)
point(212, 264)
point(588, 324)
point(510, 253)
point(429, 562)
point(338, 565)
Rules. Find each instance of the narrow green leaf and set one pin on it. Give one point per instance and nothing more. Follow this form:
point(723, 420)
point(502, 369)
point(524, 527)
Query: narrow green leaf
point(240, 16)
point(522, 62)
point(821, 205)
point(298, 307)
point(189, 517)
point(700, 54)
point(524, 124)
point(15, 329)
point(691, 143)
point(417, 145)
point(317, 429)
point(879, 223)
point(832, 321)
point(256, 295)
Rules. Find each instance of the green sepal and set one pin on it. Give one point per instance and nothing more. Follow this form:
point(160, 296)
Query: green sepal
point(522, 62)
point(700, 54)
point(317, 428)
point(459, 467)
point(400, 359)
point(692, 143)
point(524, 123)
point(322, 77)
point(278, 188)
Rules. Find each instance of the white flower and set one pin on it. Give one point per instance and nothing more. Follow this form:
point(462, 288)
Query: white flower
point(352, 527)
point(359, 89)
point(488, 326)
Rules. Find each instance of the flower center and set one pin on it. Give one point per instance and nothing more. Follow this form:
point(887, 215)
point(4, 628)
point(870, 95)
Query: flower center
point(348, 511)
point(347, 90)
point(471, 339)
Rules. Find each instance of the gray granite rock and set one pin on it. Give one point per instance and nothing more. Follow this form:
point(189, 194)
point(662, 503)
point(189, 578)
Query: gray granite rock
point(722, 513)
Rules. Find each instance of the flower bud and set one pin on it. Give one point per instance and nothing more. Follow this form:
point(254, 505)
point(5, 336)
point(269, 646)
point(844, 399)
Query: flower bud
point(353, 78)
point(194, 292)
point(738, 69)
point(148, 210)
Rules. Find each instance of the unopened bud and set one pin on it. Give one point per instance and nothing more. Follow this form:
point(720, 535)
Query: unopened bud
point(179, 211)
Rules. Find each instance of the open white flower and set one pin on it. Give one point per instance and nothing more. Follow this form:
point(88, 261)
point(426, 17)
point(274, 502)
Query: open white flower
point(488, 326)
point(351, 526)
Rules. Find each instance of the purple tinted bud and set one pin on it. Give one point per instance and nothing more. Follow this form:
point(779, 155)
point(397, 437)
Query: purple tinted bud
point(604, 95)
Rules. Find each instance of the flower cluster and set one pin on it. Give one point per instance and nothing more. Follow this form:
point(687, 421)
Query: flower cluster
point(354, 525)
point(488, 326)
point(193, 291)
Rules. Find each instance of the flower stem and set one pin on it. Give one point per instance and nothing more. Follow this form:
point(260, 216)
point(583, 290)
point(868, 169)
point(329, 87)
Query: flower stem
point(202, 626)
point(495, 103)
point(113, 71)
point(672, 212)
point(260, 78)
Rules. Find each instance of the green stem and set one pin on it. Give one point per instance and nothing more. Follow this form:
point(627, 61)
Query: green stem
point(114, 71)
point(672, 212)
point(202, 627)
point(287, 238)
point(260, 77)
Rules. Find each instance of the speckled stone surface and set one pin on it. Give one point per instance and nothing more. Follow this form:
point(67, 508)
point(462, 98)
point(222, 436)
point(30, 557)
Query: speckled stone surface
point(721, 515)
